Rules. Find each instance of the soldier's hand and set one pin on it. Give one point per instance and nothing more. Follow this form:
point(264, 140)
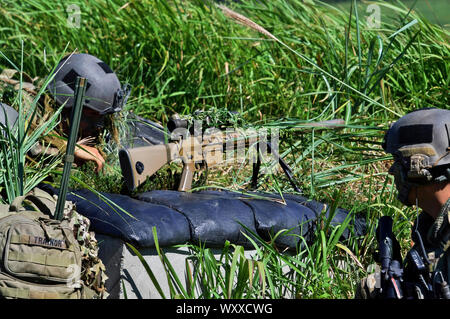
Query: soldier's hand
point(90, 153)
point(367, 287)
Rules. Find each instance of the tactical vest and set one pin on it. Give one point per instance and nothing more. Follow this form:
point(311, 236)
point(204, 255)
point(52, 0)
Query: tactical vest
point(439, 236)
point(40, 257)
point(434, 280)
point(436, 239)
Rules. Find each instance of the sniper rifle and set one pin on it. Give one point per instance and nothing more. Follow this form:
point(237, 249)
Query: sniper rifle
point(198, 150)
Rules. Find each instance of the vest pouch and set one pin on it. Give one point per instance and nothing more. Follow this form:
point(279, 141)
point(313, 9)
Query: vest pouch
point(13, 288)
point(39, 250)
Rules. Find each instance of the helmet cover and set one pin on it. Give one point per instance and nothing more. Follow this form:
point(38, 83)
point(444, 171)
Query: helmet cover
point(104, 93)
point(8, 116)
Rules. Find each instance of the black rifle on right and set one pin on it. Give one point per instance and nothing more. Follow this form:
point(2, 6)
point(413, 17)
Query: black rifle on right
point(413, 280)
point(389, 256)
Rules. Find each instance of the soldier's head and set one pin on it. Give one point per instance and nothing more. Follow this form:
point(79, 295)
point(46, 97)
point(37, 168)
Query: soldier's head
point(104, 93)
point(420, 145)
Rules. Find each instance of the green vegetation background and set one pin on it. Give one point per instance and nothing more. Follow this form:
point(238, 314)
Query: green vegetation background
point(182, 56)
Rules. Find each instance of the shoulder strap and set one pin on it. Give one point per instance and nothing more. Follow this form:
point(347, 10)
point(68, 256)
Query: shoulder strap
point(25, 293)
point(4, 210)
point(45, 202)
point(17, 204)
point(36, 200)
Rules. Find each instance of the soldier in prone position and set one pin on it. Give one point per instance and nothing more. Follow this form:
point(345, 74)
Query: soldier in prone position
point(105, 98)
point(420, 145)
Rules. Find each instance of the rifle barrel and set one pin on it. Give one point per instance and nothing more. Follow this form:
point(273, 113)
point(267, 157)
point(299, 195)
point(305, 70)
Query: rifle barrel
point(330, 124)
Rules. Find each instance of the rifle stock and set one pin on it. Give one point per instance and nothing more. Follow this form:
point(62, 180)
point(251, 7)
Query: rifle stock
point(141, 162)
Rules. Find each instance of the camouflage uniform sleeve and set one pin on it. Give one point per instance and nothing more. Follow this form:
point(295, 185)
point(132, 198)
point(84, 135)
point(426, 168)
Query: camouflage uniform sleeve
point(439, 236)
point(51, 143)
point(367, 288)
point(44, 147)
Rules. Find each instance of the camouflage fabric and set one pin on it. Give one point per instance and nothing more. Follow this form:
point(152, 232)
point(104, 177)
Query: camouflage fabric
point(437, 242)
point(38, 250)
point(436, 239)
point(368, 287)
point(93, 270)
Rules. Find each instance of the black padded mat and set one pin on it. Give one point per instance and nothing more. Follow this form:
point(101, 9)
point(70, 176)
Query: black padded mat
point(208, 217)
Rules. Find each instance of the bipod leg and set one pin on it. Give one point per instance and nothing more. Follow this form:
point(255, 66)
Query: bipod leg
point(256, 168)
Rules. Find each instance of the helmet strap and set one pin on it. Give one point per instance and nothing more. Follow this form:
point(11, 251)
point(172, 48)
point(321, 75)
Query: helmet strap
point(401, 183)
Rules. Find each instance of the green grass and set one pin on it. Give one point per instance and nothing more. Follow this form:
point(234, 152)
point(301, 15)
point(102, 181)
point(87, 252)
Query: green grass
point(325, 63)
point(435, 11)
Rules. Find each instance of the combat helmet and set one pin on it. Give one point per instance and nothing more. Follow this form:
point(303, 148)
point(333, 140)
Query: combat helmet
point(8, 116)
point(104, 93)
point(420, 144)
